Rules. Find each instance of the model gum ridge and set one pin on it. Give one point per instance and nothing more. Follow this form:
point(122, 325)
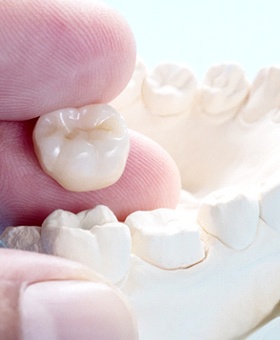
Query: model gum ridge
point(210, 269)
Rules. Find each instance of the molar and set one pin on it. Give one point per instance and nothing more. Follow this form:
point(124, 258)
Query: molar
point(224, 88)
point(169, 89)
point(264, 95)
point(23, 238)
point(82, 149)
point(165, 238)
point(104, 248)
point(230, 216)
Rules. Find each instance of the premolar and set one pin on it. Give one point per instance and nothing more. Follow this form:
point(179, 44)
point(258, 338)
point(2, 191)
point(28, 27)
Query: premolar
point(165, 238)
point(231, 216)
point(82, 149)
point(84, 238)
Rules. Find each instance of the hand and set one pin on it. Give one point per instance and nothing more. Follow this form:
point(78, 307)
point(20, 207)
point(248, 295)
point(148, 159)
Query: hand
point(57, 54)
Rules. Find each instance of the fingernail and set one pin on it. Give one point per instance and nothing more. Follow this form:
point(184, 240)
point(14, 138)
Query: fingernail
point(74, 310)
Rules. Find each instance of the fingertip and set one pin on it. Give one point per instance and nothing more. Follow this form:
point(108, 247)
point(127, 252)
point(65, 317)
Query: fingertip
point(61, 54)
point(53, 309)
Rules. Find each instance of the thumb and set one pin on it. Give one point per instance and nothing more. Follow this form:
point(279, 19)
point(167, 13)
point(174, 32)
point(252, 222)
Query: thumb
point(60, 299)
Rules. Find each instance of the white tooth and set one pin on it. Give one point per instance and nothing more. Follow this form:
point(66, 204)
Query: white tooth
point(165, 238)
point(82, 149)
point(169, 89)
point(22, 237)
point(133, 88)
point(224, 88)
point(264, 95)
point(104, 248)
point(270, 204)
point(231, 216)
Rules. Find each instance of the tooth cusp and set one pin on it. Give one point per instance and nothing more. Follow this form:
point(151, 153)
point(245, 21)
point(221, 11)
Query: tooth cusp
point(100, 215)
point(230, 216)
point(165, 238)
point(82, 149)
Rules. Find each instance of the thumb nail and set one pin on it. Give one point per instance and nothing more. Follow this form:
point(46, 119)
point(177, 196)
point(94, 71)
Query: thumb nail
point(74, 310)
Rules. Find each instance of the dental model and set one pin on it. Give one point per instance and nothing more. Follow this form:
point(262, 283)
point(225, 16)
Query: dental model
point(82, 149)
point(210, 269)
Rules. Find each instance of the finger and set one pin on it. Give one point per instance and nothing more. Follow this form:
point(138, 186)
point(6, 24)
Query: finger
point(60, 53)
point(47, 297)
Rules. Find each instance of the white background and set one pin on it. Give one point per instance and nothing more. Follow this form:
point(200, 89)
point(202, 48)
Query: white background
point(201, 33)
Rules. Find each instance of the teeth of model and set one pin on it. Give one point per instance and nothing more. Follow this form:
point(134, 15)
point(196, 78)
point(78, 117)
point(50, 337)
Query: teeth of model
point(169, 89)
point(264, 95)
point(270, 204)
point(23, 238)
point(82, 149)
point(104, 248)
point(133, 88)
point(231, 216)
point(223, 89)
point(165, 238)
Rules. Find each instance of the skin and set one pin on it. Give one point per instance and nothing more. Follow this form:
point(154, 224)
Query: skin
point(57, 54)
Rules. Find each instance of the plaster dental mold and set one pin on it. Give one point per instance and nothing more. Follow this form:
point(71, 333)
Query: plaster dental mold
point(165, 238)
point(224, 88)
point(169, 89)
point(22, 237)
point(82, 149)
point(104, 248)
point(225, 142)
point(231, 216)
